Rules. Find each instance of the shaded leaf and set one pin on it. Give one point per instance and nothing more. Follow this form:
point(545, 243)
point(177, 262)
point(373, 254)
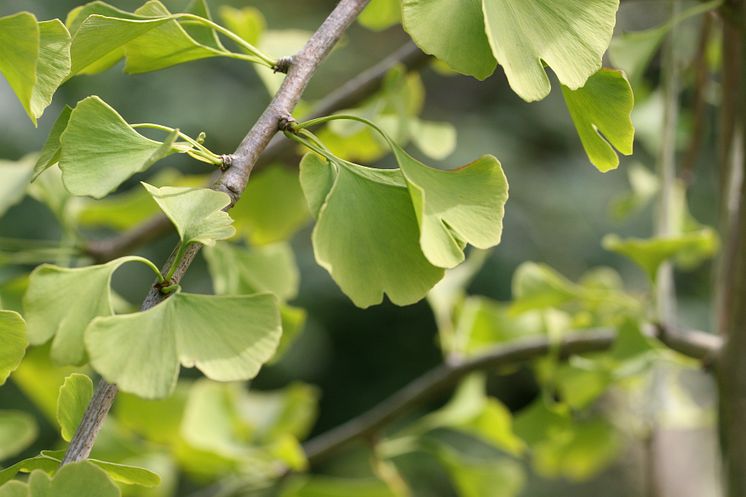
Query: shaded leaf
point(197, 213)
point(601, 111)
point(18, 430)
point(13, 343)
point(227, 338)
point(14, 489)
point(81, 479)
point(52, 65)
point(50, 152)
point(537, 286)
point(100, 150)
point(246, 22)
point(73, 399)
point(380, 14)
point(14, 177)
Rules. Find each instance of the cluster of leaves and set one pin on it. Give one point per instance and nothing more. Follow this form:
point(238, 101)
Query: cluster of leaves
point(378, 231)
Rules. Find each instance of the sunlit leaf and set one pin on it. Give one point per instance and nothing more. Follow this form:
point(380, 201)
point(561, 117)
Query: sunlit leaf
point(13, 343)
point(100, 150)
point(464, 205)
point(82, 479)
point(73, 399)
point(141, 352)
point(437, 140)
point(53, 64)
point(129, 475)
point(14, 489)
point(601, 111)
point(366, 232)
point(246, 22)
point(380, 14)
point(60, 302)
point(41, 462)
point(274, 414)
point(17, 431)
point(453, 31)
point(197, 213)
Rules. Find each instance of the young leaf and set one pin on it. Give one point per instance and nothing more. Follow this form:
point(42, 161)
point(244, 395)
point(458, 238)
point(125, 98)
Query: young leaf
point(197, 213)
point(247, 22)
point(81, 479)
point(570, 36)
point(99, 150)
point(13, 343)
point(166, 45)
point(14, 177)
point(73, 399)
point(464, 205)
point(601, 111)
point(380, 14)
point(50, 152)
point(60, 302)
point(453, 31)
point(35, 59)
point(366, 232)
point(17, 431)
point(227, 338)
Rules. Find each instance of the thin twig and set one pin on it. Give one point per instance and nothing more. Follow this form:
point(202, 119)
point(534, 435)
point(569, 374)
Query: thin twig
point(233, 182)
point(350, 93)
point(696, 344)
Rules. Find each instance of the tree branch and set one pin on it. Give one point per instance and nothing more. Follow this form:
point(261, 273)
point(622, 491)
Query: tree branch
point(233, 182)
point(694, 344)
point(350, 93)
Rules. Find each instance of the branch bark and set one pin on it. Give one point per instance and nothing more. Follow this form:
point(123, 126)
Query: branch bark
point(233, 182)
point(695, 344)
point(350, 93)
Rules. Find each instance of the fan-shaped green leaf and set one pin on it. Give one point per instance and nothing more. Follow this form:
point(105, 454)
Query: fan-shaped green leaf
point(81, 479)
point(601, 111)
point(366, 232)
point(60, 302)
point(14, 489)
point(227, 338)
point(453, 31)
point(570, 36)
point(100, 150)
point(12, 343)
point(41, 462)
point(247, 22)
point(129, 475)
point(17, 431)
point(380, 14)
point(73, 399)
point(464, 205)
point(35, 59)
point(197, 213)
point(14, 177)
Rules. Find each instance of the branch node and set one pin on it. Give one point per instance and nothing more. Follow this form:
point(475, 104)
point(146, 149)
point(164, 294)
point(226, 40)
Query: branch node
point(227, 162)
point(288, 124)
point(283, 65)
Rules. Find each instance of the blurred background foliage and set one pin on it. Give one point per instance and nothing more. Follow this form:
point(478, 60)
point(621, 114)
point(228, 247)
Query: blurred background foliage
point(559, 210)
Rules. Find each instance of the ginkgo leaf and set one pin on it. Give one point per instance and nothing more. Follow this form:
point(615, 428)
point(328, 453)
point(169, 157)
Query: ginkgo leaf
point(166, 45)
point(18, 430)
point(197, 213)
point(13, 343)
point(50, 152)
point(72, 401)
point(366, 234)
point(464, 205)
point(14, 489)
point(99, 150)
point(453, 31)
point(570, 36)
point(35, 59)
point(380, 14)
point(82, 479)
point(228, 338)
point(60, 302)
point(239, 270)
point(649, 254)
point(602, 113)
point(246, 22)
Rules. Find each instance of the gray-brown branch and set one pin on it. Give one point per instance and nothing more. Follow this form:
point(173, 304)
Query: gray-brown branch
point(349, 94)
point(233, 182)
point(696, 344)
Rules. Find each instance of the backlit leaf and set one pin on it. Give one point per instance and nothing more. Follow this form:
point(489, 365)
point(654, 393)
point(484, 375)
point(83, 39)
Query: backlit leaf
point(247, 22)
point(197, 213)
point(601, 111)
point(100, 150)
point(380, 14)
point(227, 337)
point(73, 399)
point(50, 152)
point(60, 302)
